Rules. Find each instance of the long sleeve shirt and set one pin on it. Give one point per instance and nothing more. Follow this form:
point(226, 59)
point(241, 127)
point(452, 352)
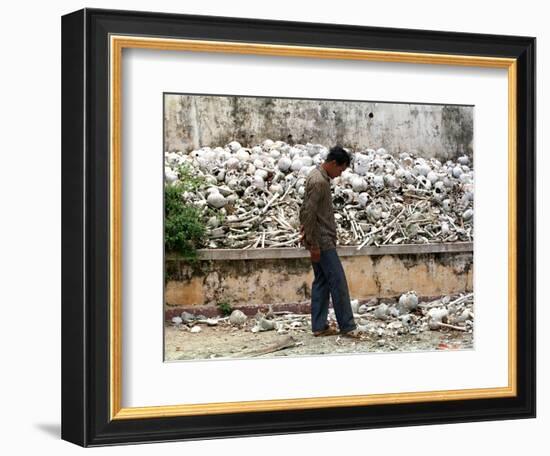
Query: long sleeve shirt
point(317, 212)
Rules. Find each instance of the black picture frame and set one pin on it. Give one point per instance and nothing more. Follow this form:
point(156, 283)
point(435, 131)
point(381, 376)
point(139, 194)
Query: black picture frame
point(86, 390)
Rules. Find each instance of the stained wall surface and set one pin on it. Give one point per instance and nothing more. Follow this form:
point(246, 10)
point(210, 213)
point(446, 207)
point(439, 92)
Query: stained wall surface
point(440, 131)
point(252, 282)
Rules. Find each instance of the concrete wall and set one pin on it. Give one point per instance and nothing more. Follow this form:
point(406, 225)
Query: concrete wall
point(439, 131)
point(259, 281)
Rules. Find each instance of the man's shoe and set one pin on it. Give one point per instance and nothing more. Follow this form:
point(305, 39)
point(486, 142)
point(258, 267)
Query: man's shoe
point(326, 332)
point(354, 333)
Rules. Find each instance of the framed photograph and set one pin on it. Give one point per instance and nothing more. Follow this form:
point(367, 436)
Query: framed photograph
point(271, 227)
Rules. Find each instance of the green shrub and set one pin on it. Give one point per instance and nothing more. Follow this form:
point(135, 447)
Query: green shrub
point(184, 229)
point(225, 307)
point(189, 182)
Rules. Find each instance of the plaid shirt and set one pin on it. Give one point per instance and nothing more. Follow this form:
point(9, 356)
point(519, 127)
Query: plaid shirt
point(317, 212)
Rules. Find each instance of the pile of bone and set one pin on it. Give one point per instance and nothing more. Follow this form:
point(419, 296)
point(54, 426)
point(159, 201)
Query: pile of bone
point(407, 315)
point(252, 196)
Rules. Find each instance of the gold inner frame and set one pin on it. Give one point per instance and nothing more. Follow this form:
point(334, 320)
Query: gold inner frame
point(117, 44)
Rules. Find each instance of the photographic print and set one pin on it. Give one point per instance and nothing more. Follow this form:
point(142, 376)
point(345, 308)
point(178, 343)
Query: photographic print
point(273, 219)
point(304, 227)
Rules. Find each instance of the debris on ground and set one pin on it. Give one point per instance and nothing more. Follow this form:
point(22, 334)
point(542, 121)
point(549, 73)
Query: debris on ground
point(402, 324)
point(281, 344)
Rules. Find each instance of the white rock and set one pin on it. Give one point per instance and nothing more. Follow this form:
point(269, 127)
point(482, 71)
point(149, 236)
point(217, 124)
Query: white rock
point(390, 180)
point(220, 176)
point(234, 146)
point(267, 325)
point(346, 176)
point(224, 190)
point(363, 199)
point(237, 317)
point(258, 181)
point(213, 222)
point(432, 177)
point(362, 309)
point(296, 164)
point(409, 178)
point(170, 176)
point(393, 312)
point(268, 144)
point(361, 163)
point(400, 173)
point(463, 160)
point(262, 173)
point(358, 184)
point(242, 155)
point(284, 164)
point(457, 171)
point(232, 163)
point(216, 200)
point(395, 325)
point(378, 182)
point(307, 161)
point(468, 214)
point(423, 169)
point(438, 314)
point(465, 315)
point(408, 301)
point(210, 154)
point(381, 312)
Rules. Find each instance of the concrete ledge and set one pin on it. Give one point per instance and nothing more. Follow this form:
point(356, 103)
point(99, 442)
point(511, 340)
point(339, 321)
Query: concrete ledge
point(343, 251)
point(239, 278)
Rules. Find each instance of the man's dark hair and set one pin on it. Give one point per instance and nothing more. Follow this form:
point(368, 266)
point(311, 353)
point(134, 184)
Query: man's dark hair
point(339, 154)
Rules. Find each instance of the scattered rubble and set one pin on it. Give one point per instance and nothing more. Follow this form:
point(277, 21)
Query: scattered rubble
point(380, 199)
point(281, 344)
point(384, 322)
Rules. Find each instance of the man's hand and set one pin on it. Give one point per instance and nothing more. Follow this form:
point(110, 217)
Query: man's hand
point(315, 254)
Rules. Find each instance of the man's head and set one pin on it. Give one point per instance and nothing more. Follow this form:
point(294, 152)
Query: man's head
point(336, 162)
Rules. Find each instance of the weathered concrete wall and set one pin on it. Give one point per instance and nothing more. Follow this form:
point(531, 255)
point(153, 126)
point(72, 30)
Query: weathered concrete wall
point(439, 131)
point(286, 280)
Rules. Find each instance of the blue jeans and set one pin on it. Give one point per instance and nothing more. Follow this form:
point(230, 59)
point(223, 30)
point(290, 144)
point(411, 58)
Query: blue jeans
point(330, 279)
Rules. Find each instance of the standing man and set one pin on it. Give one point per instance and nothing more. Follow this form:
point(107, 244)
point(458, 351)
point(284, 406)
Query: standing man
point(319, 234)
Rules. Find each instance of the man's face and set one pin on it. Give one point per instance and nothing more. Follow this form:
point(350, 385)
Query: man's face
point(337, 169)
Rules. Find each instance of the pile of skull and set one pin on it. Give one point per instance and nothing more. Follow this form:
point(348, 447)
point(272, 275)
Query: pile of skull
point(250, 197)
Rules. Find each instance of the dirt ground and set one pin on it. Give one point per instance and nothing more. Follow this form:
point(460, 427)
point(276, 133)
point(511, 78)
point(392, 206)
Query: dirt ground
point(226, 341)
